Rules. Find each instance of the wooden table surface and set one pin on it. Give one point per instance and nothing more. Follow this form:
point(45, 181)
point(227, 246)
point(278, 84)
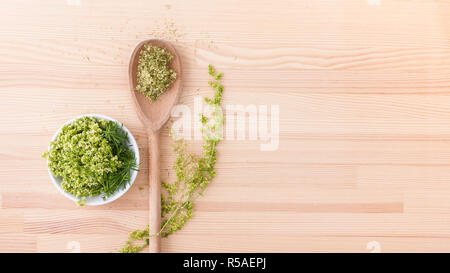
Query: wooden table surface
point(363, 89)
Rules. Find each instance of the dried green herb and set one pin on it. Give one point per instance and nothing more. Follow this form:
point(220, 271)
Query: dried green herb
point(154, 76)
point(92, 157)
point(193, 174)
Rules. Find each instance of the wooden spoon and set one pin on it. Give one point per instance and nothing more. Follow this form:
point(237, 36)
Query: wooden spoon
point(153, 114)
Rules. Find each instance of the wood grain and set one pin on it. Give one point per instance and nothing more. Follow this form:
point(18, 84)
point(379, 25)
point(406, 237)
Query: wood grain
point(363, 93)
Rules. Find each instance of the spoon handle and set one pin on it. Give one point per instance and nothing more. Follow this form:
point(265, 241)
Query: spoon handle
point(155, 192)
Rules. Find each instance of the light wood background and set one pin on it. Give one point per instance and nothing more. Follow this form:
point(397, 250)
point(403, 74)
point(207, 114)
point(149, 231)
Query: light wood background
point(364, 96)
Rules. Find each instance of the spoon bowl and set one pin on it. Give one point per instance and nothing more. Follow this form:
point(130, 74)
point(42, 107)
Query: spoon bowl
point(153, 115)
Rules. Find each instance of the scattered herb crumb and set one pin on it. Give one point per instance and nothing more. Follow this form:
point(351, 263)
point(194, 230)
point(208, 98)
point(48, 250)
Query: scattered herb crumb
point(167, 30)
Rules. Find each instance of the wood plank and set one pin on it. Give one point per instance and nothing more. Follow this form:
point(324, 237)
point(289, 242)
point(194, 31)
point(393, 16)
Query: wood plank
point(17, 242)
point(11, 221)
point(82, 221)
point(249, 243)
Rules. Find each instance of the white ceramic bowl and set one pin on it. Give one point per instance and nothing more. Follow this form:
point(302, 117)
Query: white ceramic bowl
point(98, 200)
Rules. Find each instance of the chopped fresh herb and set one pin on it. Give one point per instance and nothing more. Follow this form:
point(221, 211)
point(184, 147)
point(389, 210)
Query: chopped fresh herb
point(193, 174)
point(92, 157)
point(154, 75)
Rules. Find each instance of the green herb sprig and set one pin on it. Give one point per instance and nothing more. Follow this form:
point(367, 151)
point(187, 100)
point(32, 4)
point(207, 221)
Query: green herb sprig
point(118, 140)
point(193, 174)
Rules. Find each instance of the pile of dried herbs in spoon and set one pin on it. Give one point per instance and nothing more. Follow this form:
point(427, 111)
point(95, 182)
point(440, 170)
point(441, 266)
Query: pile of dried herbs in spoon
point(193, 174)
point(153, 73)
